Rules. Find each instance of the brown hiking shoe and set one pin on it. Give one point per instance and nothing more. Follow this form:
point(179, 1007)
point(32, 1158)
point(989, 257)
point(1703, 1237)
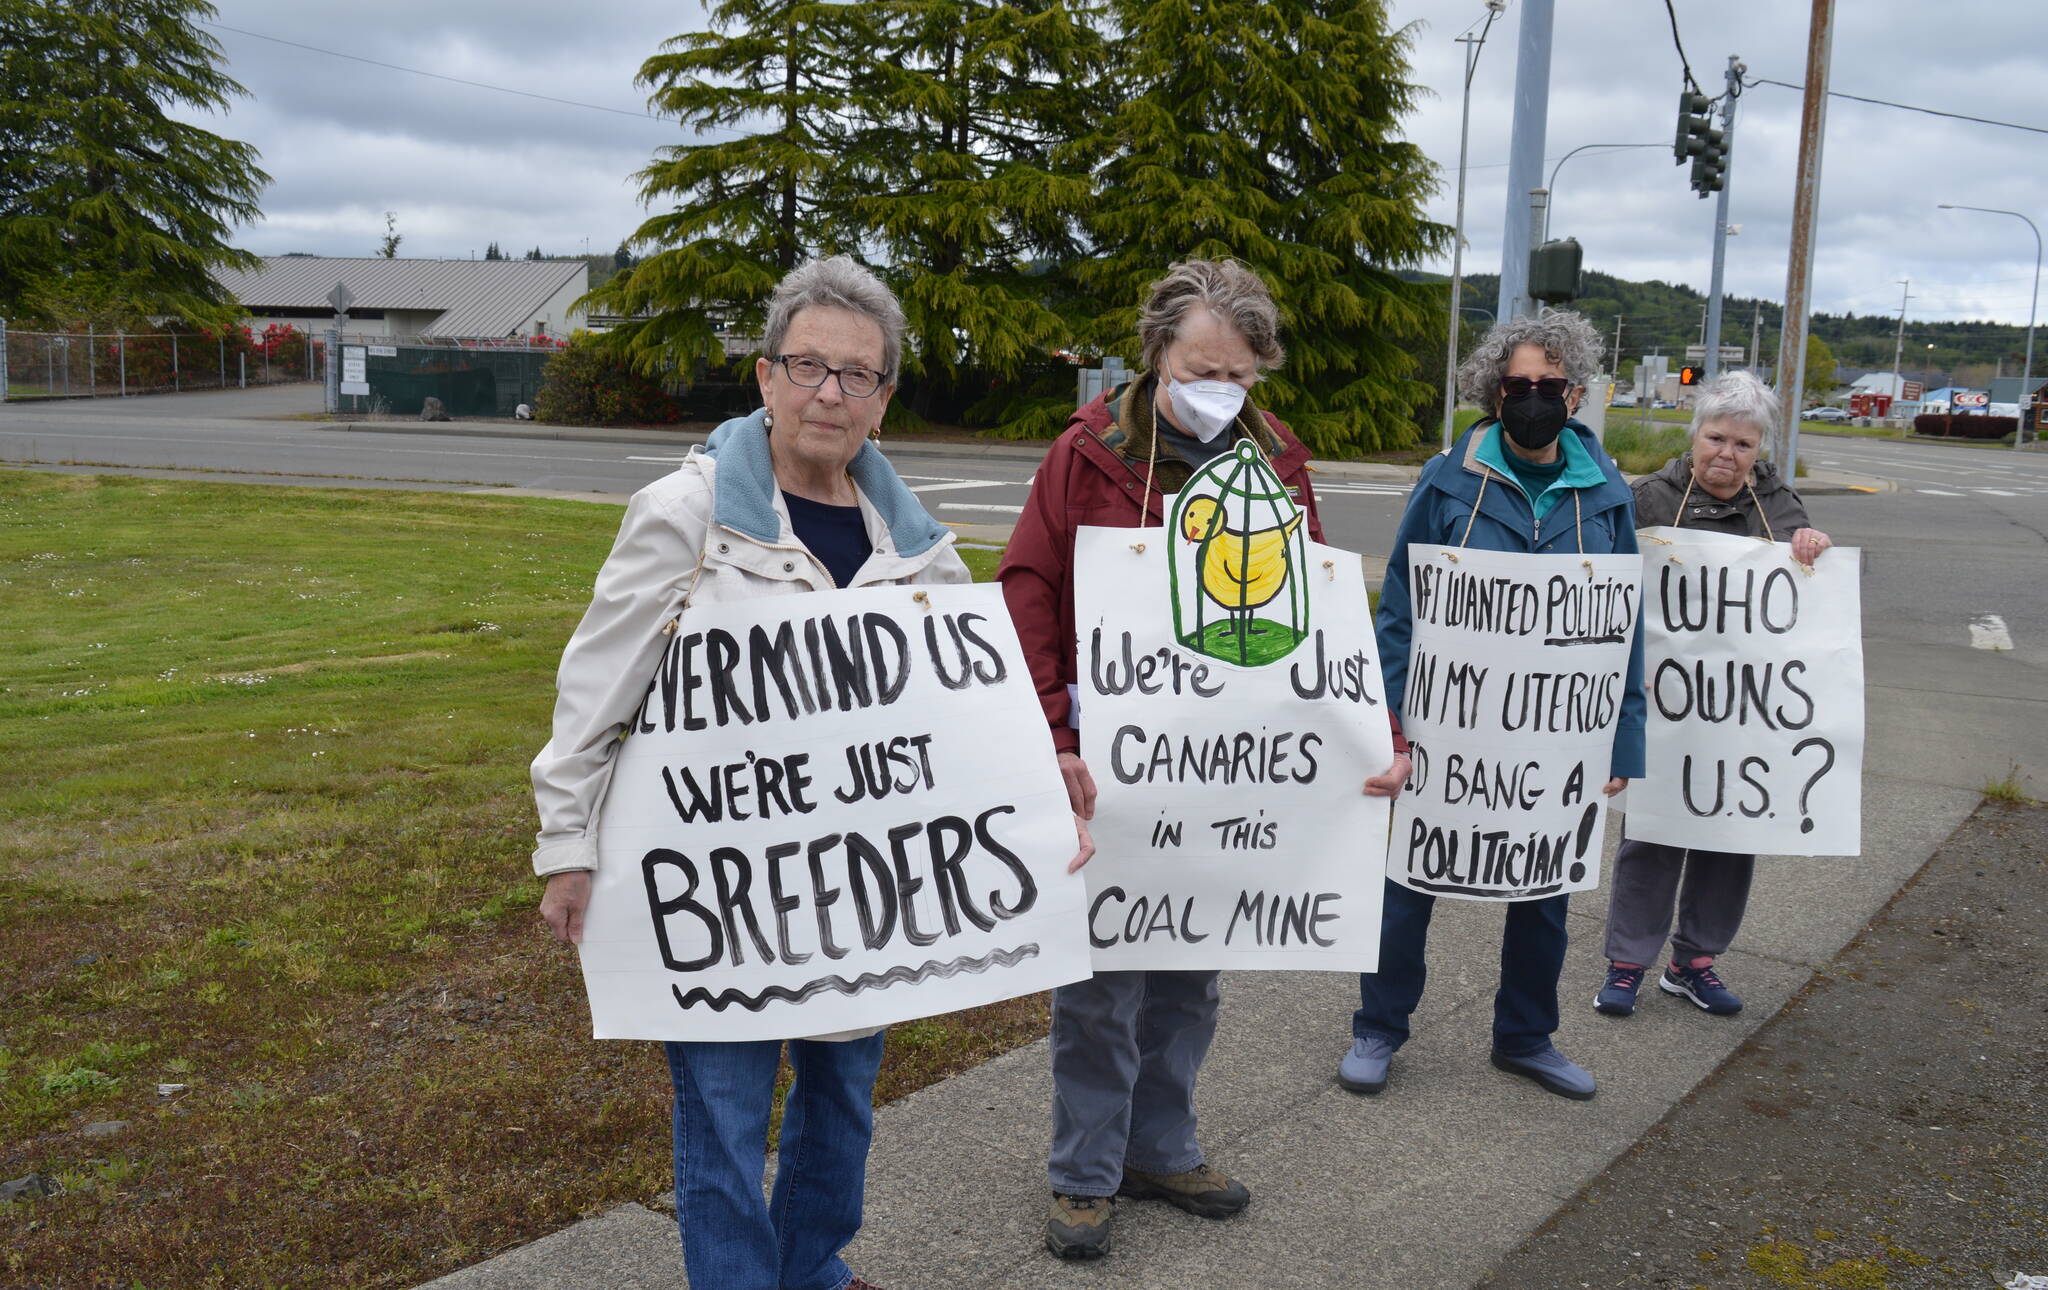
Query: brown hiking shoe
point(1200, 1191)
point(1079, 1226)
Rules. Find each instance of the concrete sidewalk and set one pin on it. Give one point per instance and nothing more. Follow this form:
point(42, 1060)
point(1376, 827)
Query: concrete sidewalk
point(1431, 1183)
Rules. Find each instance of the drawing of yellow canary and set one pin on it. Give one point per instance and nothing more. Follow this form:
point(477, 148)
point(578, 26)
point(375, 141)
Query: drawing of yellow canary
point(1240, 571)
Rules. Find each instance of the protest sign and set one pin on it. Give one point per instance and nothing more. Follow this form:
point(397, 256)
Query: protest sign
point(832, 811)
point(1230, 711)
point(1517, 667)
point(1753, 664)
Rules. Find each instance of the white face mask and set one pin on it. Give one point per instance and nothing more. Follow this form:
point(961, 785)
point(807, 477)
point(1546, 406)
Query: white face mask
point(1204, 408)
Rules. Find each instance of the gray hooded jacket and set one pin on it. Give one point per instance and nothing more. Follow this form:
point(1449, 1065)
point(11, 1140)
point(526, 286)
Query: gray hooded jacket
point(1657, 498)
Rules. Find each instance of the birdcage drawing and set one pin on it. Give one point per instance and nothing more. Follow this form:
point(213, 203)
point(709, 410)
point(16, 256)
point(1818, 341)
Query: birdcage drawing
point(1239, 594)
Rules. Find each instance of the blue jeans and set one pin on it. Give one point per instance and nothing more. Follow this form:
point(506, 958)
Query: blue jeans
point(1531, 957)
point(1125, 1050)
point(724, 1093)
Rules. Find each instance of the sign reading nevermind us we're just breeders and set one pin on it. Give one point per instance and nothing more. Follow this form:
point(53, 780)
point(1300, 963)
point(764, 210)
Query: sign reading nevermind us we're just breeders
point(833, 811)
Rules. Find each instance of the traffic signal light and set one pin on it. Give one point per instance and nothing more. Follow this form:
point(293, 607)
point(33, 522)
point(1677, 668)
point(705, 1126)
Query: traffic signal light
point(1698, 141)
point(1692, 118)
point(1690, 375)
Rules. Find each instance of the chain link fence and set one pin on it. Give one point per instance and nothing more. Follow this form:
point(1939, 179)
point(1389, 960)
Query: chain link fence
point(89, 364)
point(471, 376)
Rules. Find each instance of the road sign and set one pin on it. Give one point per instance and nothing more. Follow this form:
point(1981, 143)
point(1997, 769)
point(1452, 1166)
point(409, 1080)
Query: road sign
point(1970, 399)
point(355, 375)
point(1729, 353)
point(341, 297)
point(1912, 392)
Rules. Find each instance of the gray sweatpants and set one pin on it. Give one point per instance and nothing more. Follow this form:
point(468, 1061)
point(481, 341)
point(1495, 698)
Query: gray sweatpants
point(1125, 1049)
point(1712, 891)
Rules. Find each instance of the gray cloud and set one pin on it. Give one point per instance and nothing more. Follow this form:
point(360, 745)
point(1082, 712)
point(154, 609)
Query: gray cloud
point(464, 166)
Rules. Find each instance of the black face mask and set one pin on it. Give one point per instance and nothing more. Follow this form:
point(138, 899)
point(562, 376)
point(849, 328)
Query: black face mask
point(1533, 421)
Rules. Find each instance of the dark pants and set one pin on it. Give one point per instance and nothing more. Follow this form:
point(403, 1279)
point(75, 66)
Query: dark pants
point(1712, 891)
point(1125, 1050)
point(1531, 957)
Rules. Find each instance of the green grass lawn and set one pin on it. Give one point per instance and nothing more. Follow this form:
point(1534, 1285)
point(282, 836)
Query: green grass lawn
point(263, 758)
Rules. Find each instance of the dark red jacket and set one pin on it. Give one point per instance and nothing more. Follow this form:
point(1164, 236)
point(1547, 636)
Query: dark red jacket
point(1094, 474)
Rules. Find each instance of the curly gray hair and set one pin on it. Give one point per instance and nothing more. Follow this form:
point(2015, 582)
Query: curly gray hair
point(838, 282)
point(1224, 287)
point(1736, 396)
point(1567, 339)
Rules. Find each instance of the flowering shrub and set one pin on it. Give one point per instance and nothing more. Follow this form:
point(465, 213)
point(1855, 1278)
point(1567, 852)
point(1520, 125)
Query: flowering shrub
point(583, 385)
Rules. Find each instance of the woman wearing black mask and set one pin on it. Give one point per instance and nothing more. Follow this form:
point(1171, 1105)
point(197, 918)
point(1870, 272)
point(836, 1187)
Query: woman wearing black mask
point(1525, 477)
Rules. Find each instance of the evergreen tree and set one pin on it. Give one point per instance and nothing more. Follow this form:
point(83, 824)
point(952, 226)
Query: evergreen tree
point(492, 252)
point(1270, 132)
point(745, 209)
point(388, 247)
point(971, 182)
point(535, 254)
point(623, 258)
point(106, 201)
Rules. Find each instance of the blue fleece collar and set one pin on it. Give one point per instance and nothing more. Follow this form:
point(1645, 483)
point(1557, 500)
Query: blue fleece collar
point(744, 493)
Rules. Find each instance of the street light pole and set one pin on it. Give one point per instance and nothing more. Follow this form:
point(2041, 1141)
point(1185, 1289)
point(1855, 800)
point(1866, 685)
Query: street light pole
point(2019, 432)
point(1473, 44)
point(1567, 157)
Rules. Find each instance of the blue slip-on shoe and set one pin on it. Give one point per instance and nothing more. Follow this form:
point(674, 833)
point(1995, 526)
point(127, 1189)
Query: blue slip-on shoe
point(1364, 1068)
point(1550, 1068)
point(1617, 998)
point(1702, 987)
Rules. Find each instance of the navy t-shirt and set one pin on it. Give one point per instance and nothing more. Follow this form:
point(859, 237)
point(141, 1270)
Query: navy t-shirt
point(836, 535)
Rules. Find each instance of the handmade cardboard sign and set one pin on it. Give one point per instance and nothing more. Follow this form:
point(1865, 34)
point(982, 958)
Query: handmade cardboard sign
point(1517, 667)
point(1753, 664)
point(1230, 711)
point(832, 811)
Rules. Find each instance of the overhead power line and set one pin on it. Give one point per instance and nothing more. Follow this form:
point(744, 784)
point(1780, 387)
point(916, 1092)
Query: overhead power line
point(1957, 116)
point(454, 80)
point(1681, 47)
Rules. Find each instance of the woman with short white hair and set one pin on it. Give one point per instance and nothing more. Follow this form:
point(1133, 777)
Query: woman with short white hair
point(1718, 485)
point(789, 500)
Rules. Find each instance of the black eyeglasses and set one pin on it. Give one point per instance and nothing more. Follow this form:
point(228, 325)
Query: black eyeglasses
point(855, 382)
point(1550, 387)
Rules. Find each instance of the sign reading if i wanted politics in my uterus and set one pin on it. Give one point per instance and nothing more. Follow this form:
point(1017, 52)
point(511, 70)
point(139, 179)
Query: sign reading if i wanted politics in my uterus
point(1753, 664)
point(1517, 670)
point(833, 811)
point(1230, 712)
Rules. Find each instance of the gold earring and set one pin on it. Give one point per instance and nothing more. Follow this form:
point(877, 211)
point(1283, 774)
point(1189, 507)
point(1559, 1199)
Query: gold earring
point(875, 435)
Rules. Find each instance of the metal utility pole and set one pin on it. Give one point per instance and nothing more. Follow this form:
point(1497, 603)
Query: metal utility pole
point(1813, 118)
point(1899, 345)
point(1756, 335)
point(1617, 345)
point(1473, 44)
point(1525, 155)
point(1713, 341)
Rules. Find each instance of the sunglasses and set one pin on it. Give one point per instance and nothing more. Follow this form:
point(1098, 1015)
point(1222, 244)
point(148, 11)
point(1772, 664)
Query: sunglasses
point(1550, 387)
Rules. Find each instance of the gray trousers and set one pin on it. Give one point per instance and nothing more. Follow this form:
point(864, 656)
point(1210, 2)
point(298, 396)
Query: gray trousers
point(1125, 1049)
point(1712, 891)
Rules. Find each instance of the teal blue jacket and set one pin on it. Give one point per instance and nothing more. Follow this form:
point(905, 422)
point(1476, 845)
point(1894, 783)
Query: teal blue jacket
point(1601, 519)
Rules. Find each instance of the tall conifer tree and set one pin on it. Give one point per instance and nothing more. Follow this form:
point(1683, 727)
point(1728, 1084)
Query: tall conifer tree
point(971, 187)
point(1269, 131)
point(776, 76)
point(109, 207)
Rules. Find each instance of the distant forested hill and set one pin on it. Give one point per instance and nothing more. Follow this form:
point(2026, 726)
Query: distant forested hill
point(1666, 317)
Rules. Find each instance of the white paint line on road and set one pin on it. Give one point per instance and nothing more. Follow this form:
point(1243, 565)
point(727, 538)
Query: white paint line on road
point(162, 442)
point(961, 483)
point(1987, 631)
point(666, 460)
point(1995, 492)
point(971, 506)
point(1939, 492)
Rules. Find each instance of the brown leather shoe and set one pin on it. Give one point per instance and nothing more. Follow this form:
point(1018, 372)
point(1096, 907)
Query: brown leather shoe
point(862, 1283)
point(1200, 1191)
point(1079, 1226)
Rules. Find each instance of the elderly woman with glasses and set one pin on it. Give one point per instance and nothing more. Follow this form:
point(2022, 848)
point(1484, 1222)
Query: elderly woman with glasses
point(1718, 485)
point(791, 499)
point(1525, 477)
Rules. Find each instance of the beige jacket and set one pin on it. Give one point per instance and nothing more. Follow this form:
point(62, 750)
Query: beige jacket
point(671, 554)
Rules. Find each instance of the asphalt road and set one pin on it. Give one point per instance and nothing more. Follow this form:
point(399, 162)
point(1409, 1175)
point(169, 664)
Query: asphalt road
point(1954, 559)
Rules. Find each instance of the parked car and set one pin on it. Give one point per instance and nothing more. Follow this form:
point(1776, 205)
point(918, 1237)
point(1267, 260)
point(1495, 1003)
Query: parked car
point(1622, 401)
point(1824, 414)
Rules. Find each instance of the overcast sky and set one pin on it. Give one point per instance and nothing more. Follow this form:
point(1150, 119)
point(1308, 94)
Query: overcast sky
point(461, 166)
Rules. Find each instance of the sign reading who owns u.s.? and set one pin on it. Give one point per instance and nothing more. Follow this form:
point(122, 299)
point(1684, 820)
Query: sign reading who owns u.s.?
point(833, 811)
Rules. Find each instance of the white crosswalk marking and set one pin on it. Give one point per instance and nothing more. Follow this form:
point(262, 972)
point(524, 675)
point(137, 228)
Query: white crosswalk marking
point(1987, 631)
point(1938, 492)
point(959, 483)
point(972, 506)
